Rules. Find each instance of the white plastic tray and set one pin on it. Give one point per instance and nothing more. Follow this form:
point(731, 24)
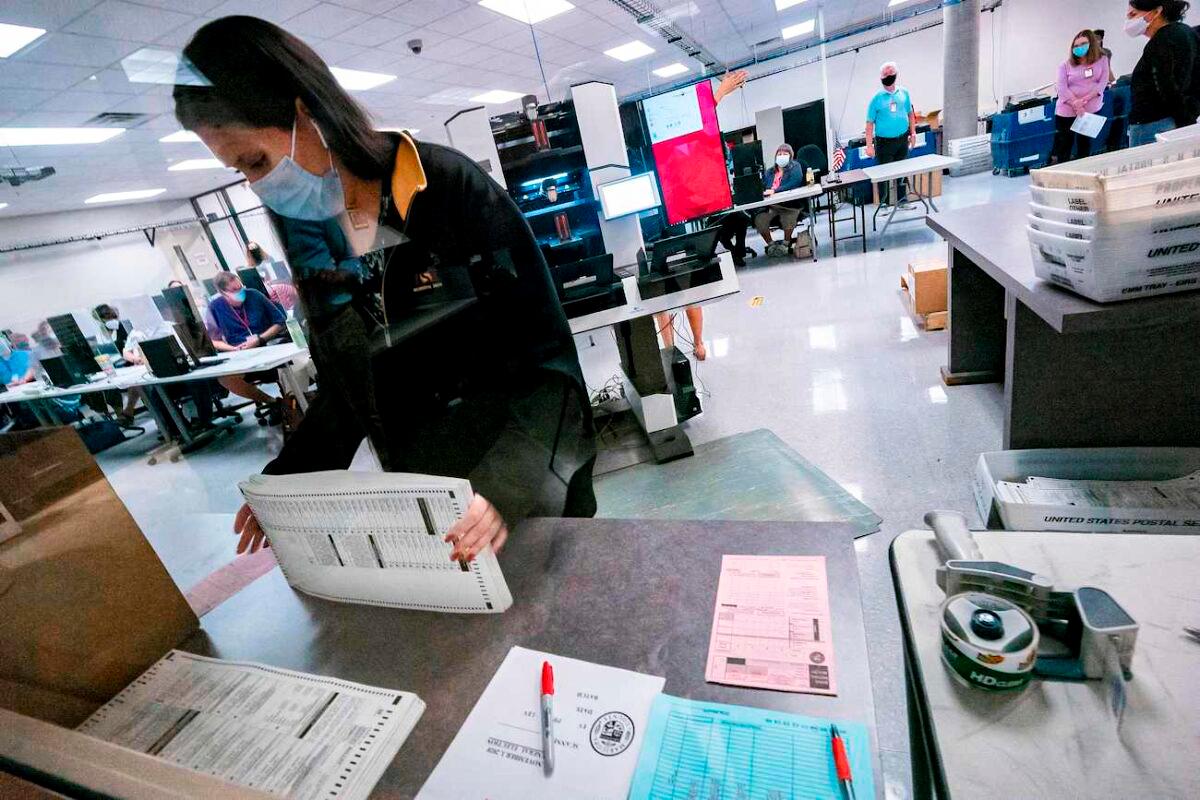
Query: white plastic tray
point(1108, 463)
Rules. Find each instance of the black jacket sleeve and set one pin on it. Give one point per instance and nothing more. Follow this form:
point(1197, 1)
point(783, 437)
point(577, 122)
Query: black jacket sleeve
point(1173, 66)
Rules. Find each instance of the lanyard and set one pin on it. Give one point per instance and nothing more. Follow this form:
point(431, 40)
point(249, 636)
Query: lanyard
point(242, 317)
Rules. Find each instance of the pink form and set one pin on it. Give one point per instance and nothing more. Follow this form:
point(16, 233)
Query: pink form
point(771, 627)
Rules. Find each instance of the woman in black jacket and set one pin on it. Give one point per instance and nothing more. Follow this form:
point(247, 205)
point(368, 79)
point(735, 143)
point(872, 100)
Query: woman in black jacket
point(1163, 94)
point(434, 323)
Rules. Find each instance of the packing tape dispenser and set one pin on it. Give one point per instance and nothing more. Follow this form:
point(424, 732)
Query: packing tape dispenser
point(1084, 633)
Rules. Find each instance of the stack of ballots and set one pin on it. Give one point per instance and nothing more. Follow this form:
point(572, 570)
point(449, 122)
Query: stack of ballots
point(1120, 225)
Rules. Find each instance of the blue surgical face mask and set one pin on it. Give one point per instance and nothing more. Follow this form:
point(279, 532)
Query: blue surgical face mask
point(293, 192)
point(1081, 50)
point(782, 160)
point(240, 295)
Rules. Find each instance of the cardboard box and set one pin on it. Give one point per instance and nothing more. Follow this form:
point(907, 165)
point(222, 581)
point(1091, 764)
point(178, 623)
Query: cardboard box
point(1097, 464)
point(926, 284)
point(85, 604)
point(929, 184)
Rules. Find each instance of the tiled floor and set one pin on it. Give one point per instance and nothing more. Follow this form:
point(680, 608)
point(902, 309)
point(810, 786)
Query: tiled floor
point(830, 361)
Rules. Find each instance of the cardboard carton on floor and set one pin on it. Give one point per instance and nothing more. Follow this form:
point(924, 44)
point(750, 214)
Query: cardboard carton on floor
point(925, 287)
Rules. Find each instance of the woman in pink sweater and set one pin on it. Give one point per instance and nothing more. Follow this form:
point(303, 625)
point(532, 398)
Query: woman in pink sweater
point(1082, 79)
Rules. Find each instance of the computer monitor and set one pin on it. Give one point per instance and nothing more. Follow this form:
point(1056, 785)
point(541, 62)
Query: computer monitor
point(585, 277)
point(165, 357)
point(73, 344)
point(690, 249)
point(252, 279)
point(210, 286)
point(181, 309)
point(62, 372)
point(747, 158)
point(629, 195)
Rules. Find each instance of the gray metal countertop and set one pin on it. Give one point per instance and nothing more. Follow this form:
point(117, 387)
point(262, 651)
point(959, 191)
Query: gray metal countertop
point(632, 594)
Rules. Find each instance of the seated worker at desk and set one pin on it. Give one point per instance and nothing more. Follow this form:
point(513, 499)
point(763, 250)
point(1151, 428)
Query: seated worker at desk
point(782, 176)
point(496, 395)
point(891, 126)
point(110, 318)
point(243, 319)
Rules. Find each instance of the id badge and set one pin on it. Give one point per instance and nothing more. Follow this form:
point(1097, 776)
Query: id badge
point(1087, 73)
point(893, 106)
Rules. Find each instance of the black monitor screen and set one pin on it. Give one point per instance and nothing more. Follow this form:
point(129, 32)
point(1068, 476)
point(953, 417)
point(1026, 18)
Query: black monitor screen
point(689, 248)
point(190, 326)
point(73, 343)
point(251, 279)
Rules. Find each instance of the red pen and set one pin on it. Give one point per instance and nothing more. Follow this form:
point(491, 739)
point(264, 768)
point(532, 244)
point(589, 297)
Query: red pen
point(547, 718)
point(841, 762)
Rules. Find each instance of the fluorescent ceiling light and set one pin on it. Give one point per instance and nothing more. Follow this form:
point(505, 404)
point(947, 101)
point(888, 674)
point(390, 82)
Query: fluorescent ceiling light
point(780, 5)
point(799, 29)
point(896, 3)
point(357, 79)
point(116, 197)
point(629, 51)
point(195, 163)
point(496, 96)
point(3, 205)
point(670, 70)
point(32, 137)
point(14, 37)
point(530, 12)
point(180, 136)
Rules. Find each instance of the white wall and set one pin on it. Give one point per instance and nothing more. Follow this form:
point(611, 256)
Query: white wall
point(1021, 45)
point(70, 277)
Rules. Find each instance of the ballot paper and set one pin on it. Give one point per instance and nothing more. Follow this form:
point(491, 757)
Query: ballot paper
point(709, 750)
point(599, 717)
point(287, 733)
point(1089, 125)
point(375, 538)
point(1175, 493)
point(771, 627)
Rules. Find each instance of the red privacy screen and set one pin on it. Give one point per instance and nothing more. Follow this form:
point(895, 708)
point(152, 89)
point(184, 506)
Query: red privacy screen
point(689, 155)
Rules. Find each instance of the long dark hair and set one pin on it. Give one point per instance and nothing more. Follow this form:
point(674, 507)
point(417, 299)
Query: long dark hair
point(256, 71)
point(1093, 53)
point(1172, 10)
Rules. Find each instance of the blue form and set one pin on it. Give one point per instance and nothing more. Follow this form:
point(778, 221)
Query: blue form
point(710, 751)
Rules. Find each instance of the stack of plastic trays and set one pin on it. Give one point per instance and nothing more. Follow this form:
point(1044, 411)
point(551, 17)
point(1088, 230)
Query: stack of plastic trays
point(1120, 225)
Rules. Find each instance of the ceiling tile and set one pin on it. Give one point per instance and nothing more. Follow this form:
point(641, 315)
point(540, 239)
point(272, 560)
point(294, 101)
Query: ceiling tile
point(190, 6)
point(335, 52)
point(48, 14)
point(69, 48)
point(28, 75)
point(421, 12)
point(179, 37)
point(23, 99)
point(110, 81)
point(76, 100)
point(375, 31)
point(370, 6)
point(117, 19)
point(325, 19)
point(274, 10)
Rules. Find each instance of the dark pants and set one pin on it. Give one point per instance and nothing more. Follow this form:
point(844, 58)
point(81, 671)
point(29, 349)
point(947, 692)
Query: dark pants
point(1066, 141)
point(732, 235)
point(888, 150)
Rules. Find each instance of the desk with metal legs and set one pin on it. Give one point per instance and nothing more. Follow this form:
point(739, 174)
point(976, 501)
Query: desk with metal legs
point(1076, 373)
point(892, 173)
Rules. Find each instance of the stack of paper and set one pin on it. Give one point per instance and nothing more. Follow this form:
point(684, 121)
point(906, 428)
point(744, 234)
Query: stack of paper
point(1120, 225)
point(376, 538)
point(287, 733)
point(1177, 493)
point(600, 714)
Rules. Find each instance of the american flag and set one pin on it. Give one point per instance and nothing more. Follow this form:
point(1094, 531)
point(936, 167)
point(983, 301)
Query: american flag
point(839, 158)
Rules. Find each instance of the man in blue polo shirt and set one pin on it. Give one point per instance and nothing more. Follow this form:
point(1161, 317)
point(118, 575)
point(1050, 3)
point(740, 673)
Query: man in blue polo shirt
point(244, 318)
point(891, 125)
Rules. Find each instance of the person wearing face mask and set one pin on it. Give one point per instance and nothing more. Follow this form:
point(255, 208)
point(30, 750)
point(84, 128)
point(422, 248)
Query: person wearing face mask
point(110, 318)
point(1162, 81)
point(243, 319)
point(1082, 79)
point(497, 395)
point(16, 366)
point(782, 176)
point(891, 125)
